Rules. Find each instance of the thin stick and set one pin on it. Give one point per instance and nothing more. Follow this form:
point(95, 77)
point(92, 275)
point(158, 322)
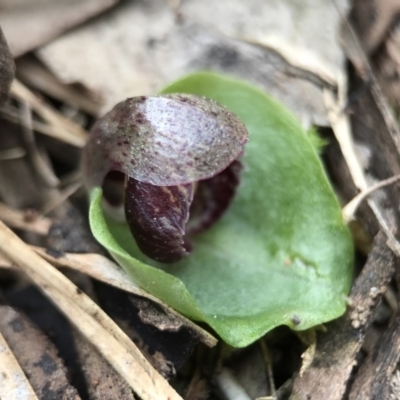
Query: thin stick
point(103, 269)
point(341, 127)
point(67, 131)
point(13, 382)
point(41, 167)
point(5, 263)
point(268, 366)
point(230, 386)
point(62, 196)
point(44, 128)
point(12, 154)
point(351, 207)
point(90, 319)
point(18, 219)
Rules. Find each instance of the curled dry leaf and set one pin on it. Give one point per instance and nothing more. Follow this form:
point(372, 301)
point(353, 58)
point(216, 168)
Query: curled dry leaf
point(236, 40)
point(179, 153)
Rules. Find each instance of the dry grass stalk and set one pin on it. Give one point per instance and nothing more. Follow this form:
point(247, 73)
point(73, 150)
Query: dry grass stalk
point(101, 268)
point(65, 130)
point(104, 270)
point(90, 319)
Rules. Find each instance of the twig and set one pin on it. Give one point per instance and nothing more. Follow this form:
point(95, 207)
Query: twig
point(45, 128)
point(392, 241)
point(62, 196)
point(20, 220)
point(66, 130)
point(230, 386)
point(41, 167)
point(104, 270)
point(351, 207)
point(340, 124)
point(12, 154)
point(268, 366)
point(13, 382)
point(90, 319)
point(35, 75)
point(6, 263)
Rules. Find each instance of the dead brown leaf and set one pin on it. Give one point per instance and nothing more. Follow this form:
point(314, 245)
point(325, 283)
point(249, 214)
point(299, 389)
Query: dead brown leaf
point(28, 24)
point(33, 73)
point(139, 56)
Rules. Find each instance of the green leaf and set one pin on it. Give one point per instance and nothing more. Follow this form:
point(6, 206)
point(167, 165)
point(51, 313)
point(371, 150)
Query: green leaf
point(281, 255)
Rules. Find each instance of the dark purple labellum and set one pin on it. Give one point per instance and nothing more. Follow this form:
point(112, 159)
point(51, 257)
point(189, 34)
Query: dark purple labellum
point(179, 153)
point(212, 198)
point(157, 216)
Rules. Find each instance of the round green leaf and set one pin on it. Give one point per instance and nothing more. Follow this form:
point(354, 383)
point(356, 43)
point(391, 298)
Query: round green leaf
point(281, 255)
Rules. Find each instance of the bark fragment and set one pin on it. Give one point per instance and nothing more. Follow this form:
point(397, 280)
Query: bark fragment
point(338, 347)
